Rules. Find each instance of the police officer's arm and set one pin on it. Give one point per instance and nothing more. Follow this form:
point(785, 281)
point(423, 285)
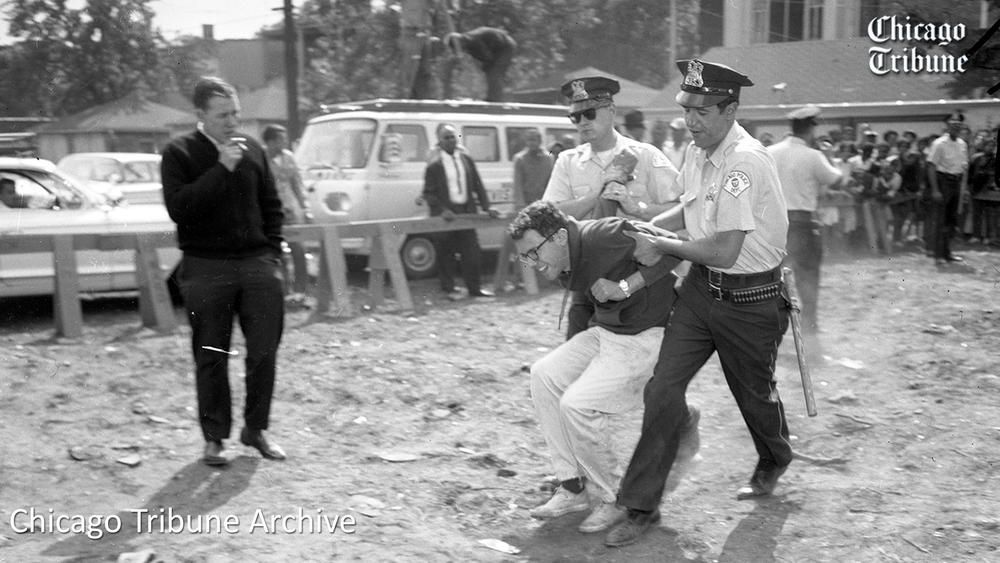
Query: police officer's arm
point(827, 174)
point(605, 289)
point(560, 192)
point(719, 250)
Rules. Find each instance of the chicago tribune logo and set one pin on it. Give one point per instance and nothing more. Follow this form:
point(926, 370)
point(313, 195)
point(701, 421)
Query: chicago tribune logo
point(912, 59)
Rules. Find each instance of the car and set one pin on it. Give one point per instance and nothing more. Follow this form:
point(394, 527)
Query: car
point(49, 201)
point(134, 176)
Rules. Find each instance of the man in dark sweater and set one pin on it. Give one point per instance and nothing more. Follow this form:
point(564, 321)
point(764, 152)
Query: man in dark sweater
point(219, 190)
point(601, 371)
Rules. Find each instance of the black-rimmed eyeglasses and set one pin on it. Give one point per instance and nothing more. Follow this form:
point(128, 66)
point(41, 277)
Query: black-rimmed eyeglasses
point(531, 256)
point(589, 113)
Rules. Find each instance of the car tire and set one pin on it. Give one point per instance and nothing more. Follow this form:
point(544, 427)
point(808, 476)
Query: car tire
point(419, 256)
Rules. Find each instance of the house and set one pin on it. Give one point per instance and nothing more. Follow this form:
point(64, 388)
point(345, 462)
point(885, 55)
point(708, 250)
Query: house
point(839, 55)
point(130, 124)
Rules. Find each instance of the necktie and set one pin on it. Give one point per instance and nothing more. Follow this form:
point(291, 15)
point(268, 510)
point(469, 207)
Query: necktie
point(458, 176)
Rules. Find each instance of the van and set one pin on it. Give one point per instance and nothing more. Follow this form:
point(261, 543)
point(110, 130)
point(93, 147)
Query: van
point(367, 160)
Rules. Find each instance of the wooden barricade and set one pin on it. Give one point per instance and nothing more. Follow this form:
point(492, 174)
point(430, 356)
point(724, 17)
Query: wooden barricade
point(154, 298)
point(387, 238)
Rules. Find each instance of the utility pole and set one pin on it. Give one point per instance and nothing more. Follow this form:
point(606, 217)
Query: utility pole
point(673, 39)
point(291, 73)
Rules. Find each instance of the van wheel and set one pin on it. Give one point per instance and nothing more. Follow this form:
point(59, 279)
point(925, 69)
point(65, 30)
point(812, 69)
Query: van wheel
point(419, 257)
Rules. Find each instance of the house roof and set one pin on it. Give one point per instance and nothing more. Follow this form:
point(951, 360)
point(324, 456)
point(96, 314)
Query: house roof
point(129, 114)
point(546, 90)
point(819, 72)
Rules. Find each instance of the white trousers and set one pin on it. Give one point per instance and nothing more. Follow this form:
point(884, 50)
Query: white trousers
point(578, 386)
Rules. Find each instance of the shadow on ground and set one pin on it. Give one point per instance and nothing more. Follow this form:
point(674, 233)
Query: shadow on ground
point(194, 491)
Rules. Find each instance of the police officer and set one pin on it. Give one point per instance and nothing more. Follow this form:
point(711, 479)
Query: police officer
point(805, 174)
point(730, 302)
point(608, 174)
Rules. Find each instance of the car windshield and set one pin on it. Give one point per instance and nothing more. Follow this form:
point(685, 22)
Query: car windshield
point(341, 143)
point(45, 189)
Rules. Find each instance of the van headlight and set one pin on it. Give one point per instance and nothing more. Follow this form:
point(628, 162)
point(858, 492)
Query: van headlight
point(338, 201)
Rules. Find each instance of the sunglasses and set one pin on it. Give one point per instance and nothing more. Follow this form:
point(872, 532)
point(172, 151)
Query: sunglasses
point(589, 113)
point(531, 257)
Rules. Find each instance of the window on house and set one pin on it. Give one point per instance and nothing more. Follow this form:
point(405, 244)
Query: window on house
point(779, 21)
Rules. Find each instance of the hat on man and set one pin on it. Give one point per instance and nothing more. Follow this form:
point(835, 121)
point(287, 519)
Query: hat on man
point(706, 84)
point(678, 124)
point(635, 120)
point(590, 92)
point(807, 112)
point(955, 117)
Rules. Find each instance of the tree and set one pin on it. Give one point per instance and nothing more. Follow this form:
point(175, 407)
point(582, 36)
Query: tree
point(69, 59)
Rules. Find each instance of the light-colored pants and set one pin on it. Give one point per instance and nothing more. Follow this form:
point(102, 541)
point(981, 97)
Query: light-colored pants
point(578, 386)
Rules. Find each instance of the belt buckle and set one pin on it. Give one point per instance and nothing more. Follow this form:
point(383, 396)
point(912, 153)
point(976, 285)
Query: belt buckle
point(715, 291)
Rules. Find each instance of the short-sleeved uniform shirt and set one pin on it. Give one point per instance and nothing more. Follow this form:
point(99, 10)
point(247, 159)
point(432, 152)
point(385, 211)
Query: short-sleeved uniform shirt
point(579, 172)
point(949, 155)
point(803, 172)
point(736, 189)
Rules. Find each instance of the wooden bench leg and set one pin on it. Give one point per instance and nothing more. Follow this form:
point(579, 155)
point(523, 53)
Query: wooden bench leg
point(66, 299)
point(385, 249)
point(155, 307)
point(333, 276)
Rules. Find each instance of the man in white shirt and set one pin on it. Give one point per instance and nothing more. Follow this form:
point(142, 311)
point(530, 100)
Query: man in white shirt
point(947, 164)
point(451, 186)
point(587, 181)
point(805, 173)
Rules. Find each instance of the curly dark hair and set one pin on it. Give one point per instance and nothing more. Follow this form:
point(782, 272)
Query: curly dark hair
point(541, 216)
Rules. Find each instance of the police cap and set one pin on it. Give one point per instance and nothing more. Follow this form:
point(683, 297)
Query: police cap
point(808, 113)
point(590, 92)
point(707, 84)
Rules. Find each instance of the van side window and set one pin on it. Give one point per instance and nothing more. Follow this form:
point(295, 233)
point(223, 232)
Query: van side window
point(553, 134)
point(409, 140)
point(515, 139)
point(483, 143)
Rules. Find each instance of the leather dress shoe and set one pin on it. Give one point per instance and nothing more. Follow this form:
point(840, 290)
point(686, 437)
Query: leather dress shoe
point(256, 439)
point(762, 483)
point(215, 454)
point(954, 258)
point(481, 293)
point(632, 528)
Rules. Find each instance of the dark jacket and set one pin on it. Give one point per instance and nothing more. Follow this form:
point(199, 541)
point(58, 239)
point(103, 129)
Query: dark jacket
point(599, 248)
point(220, 214)
point(436, 187)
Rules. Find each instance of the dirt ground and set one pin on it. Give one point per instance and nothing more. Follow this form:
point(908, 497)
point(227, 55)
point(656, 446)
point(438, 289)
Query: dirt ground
point(412, 438)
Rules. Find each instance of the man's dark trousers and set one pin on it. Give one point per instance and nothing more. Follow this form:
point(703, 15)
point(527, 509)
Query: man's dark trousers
point(746, 338)
point(945, 213)
point(805, 254)
point(215, 292)
point(466, 243)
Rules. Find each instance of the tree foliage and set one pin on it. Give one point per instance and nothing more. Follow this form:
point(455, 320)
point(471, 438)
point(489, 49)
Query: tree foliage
point(79, 57)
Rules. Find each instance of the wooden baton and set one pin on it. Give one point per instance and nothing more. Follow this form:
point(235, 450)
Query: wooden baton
point(788, 277)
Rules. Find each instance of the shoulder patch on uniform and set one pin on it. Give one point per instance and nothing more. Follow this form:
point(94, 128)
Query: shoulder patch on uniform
point(660, 160)
point(736, 182)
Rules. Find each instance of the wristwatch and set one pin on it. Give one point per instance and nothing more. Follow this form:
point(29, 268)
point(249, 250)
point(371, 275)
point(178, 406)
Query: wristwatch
point(624, 287)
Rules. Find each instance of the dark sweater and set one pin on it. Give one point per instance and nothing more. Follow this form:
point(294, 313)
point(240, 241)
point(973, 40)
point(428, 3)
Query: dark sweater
point(599, 248)
point(220, 214)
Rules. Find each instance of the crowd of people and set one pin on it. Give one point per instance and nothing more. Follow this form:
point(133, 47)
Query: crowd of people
point(885, 200)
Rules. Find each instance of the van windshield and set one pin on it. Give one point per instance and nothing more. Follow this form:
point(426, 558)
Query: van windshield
point(340, 143)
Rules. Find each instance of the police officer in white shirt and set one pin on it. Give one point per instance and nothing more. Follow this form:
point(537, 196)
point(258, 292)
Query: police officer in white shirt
point(730, 302)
